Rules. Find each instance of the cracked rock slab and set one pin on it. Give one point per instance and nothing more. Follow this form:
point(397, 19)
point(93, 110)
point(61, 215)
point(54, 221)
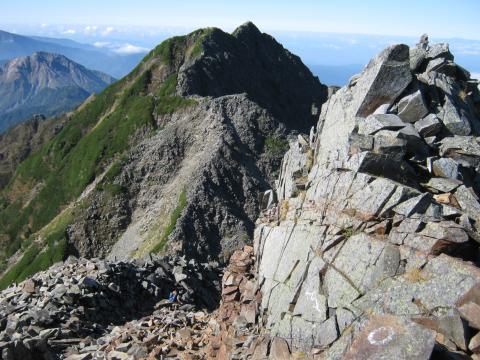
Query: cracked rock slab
point(391, 337)
point(376, 122)
point(428, 126)
point(412, 107)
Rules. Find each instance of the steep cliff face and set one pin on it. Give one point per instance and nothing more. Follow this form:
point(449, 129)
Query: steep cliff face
point(172, 158)
point(372, 249)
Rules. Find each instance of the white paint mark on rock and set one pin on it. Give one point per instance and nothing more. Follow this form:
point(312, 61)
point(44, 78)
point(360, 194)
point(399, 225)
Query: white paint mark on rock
point(313, 298)
point(381, 336)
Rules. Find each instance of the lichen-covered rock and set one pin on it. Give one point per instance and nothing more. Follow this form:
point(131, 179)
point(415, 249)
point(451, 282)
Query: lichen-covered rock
point(389, 337)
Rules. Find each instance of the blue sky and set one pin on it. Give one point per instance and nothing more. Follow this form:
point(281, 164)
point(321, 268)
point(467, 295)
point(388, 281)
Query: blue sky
point(445, 18)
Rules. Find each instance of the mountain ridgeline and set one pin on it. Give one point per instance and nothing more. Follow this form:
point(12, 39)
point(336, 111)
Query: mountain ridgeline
point(44, 83)
point(171, 158)
point(104, 60)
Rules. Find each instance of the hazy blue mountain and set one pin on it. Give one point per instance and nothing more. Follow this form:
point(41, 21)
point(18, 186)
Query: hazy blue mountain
point(64, 42)
point(117, 65)
point(44, 83)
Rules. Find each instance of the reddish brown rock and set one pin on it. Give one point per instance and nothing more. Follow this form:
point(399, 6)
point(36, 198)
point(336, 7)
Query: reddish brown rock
point(249, 312)
point(474, 344)
point(229, 290)
point(29, 286)
point(469, 307)
point(279, 349)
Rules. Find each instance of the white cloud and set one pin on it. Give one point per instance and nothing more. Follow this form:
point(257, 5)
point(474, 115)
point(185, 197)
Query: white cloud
point(476, 76)
point(332, 46)
point(90, 29)
point(466, 49)
point(69, 32)
point(127, 49)
point(101, 44)
point(108, 31)
point(43, 25)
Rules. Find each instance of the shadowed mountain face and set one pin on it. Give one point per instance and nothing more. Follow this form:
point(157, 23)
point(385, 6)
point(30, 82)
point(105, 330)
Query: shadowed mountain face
point(171, 158)
point(44, 83)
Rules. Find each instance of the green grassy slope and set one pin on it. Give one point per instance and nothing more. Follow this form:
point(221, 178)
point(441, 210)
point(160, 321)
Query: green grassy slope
point(97, 135)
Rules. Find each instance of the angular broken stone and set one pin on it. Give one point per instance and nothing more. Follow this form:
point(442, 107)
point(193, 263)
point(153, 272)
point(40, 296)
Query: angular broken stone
point(249, 312)
point(448, 324)
point(469, 306)
point(468, 202)
point(446, 198)
point(382, 109)
point(445, 230)
point(279, 349)
point(398, 142)
point(392, 337)
point(443, 184)
point(412, 107)
point(428, 126)
point(29, 286)
point(376, 122)
point(388, 143)
point(88, 282)
point(436, 64)
point(455, 120)
point(417, 57)
point(416, 205)
point(359, 143)
point(441, 50)
point(269, 198)
point(464, 149)
point(431, 141)
point(382, 92)
point(446, 168)
point(474, 344)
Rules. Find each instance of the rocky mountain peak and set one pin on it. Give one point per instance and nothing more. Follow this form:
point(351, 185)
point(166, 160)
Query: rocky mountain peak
point(247, 30)
point(44, 83)
point(227, 62)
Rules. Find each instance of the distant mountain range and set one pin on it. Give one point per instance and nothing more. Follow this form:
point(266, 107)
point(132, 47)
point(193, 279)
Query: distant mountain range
point(44, 83)
point(117, 65)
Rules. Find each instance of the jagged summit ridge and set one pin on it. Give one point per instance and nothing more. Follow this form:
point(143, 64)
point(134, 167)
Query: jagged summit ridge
point(263, 68)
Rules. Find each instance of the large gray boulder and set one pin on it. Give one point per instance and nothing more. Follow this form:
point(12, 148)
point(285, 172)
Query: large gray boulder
point(429, 125)
point(377, 122)
point(412, 107)
point(381, 82)
point(455, 120)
